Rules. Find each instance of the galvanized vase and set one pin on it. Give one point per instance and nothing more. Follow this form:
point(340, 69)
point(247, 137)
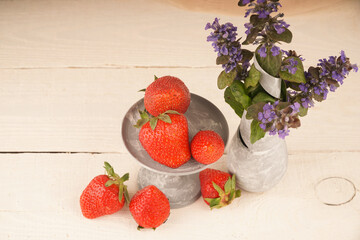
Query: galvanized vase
point(260, 166)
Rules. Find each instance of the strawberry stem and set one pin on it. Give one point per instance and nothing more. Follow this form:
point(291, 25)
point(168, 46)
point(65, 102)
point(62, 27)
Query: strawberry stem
point(119, 181)
point(226, 195)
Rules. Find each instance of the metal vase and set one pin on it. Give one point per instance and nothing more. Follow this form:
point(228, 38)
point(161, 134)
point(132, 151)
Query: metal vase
point(259, 166)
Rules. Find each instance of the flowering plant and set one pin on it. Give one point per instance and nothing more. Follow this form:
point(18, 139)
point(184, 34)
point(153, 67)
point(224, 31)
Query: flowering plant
point(244, 87)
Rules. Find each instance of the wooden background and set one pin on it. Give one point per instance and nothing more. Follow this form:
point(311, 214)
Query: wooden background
point(69, 70)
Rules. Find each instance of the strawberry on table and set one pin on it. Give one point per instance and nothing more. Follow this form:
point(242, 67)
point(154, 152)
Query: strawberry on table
point(165, 137)
point(149, 207)
point(166, 93)
point(218, 188)
point(207, 147)
point(105, 194)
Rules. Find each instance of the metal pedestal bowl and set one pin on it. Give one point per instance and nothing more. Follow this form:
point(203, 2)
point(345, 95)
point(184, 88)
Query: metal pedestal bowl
point(181, 185)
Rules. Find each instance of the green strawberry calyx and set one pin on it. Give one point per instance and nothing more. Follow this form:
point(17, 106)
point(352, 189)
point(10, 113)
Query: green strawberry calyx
point(117, 180)
point(226, 195)
point(144, 118)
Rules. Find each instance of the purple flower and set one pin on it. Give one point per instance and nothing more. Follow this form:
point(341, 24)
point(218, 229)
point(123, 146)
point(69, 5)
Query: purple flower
point(275, 50)
point(248, 26)
point(336, 68)
point(280, 26)
point(261, 8)
point(355, 67)
point(304, 87)
point(224, 42)
point(262, 51)
point(290, 65)
point(263, 13)
point(307, 102)
point(277, 121)
point(342, 56)
point(245, 2)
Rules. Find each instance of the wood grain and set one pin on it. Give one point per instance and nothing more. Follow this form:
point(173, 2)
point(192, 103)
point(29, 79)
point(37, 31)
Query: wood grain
point(46, 204)
point(81, 110)
point(69, 70)
point(126, 33)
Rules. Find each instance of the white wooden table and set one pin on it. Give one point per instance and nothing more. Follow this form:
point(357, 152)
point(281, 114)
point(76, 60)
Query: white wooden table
point(69, 70)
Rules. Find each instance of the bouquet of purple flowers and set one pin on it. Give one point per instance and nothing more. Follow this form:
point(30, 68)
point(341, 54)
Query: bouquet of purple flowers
point(272, 109)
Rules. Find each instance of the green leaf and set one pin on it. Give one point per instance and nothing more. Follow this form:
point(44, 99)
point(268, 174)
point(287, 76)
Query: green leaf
point(302, 111)
point(253, 91)
point(258, 22)
point(226, 79)
point(240, 3)
point(153, 122)
point(314, 72)
point(231, 196)
point(284, 93)
point(240, 94)
point(142, 90)
point(282, 105)
point(318, 98)
point(144, 118)
point(172, 112)
point(294, 86)
point(270, 64)
point(254, 32)
point(227, 186)
point(140, 122)
point(155, 77)
point(143, 114)
point(253, 77)
point(125, 177)
point(256, 131)
point(165, 118)
point(109, 183)
point(213, 202)
point(218, 189)
point(286, 36)
point(233, 182)
point(121, 191)
point(247, 55)
point(230, 99)
point(254, 109)
point(109, 169)
point(126, 194)
point(223, 59)
point(263, 97)
point(298, 77)
point(237, 193)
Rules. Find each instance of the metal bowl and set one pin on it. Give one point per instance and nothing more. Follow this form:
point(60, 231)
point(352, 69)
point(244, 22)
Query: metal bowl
point(201, 115)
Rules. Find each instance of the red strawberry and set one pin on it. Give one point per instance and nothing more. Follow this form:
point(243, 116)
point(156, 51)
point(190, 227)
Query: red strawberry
point(149, 207)
point(165, 138)
point(207, 147)
point(218, 188)
point(104, 195)
point(166, 93)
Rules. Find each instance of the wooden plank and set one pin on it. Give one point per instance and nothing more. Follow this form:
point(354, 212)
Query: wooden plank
point(149, 33)
point(78, 110)
point(40, 200)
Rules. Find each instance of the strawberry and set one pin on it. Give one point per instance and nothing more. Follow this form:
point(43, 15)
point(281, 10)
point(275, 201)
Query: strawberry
point(218, 188)
point(149, 207)
point(105, 194)
point(207, 147)
point(165, 138)
point(166, 93)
